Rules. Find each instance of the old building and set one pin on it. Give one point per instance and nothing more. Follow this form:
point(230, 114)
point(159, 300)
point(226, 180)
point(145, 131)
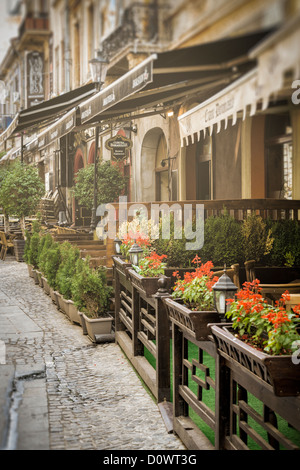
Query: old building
point(202, 90)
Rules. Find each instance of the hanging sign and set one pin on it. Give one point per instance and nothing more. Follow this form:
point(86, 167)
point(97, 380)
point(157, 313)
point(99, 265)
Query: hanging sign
point(118, 146)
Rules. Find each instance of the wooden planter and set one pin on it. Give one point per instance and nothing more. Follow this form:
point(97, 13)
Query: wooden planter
point(53, 295)
point(98, 326)
point(40, 278)
point(148, 285)
point(19, 246)
point(192, 322)
point(278, 371)
point(121, 264)
point(35, 276)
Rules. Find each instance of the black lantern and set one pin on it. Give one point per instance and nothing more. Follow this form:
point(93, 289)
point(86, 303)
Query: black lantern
point(224, 289)
point(98, 67)
point(117, 243)
point(135, 254)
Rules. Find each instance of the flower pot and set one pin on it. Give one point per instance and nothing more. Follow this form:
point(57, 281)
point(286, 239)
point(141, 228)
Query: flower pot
point(46, 286)
point(30, 268)
point(82, 323)
point(19, 246)
point(148, 285)
point(98, 326)
point(193, 322)
point(35, 276)
point(53, 295)
point(73, 313)
point(40, 278)
point(280, 372)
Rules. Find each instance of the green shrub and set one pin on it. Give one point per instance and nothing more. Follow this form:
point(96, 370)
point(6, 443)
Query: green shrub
point(173, 247)
point(286, 245)
point(257, 238)
point(90, 291)
point(33, 250)
point(222, 240)
point(45, 245)
point(52, 263)
point(66, 270)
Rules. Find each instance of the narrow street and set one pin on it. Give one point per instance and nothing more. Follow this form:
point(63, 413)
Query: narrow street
point(59, 391)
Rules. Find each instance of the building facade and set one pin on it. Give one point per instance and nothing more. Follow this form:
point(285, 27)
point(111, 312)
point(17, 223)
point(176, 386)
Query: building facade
point(218, 119)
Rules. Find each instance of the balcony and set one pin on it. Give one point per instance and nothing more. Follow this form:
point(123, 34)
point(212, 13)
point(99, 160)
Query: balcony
point(34, 25)
point(139, 28)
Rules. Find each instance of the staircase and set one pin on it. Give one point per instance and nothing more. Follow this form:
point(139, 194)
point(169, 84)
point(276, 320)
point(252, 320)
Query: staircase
point(50, 206)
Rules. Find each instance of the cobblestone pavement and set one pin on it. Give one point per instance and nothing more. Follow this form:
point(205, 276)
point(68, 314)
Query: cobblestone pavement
point(68, 393)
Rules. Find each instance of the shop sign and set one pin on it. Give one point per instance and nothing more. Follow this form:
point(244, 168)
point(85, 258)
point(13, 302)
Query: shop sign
point(118, 146)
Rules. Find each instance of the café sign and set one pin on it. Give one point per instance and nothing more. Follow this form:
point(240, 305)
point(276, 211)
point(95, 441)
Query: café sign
point(118, 146)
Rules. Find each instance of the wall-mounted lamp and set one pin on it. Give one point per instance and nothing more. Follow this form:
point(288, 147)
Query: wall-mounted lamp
point(163, 162)
point(98, 67)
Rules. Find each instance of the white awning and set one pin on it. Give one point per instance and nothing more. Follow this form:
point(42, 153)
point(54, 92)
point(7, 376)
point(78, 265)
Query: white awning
point(221, 107)
point(277, 55)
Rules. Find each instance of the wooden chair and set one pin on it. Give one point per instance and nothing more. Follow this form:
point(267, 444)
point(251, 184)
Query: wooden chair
point(5, 244)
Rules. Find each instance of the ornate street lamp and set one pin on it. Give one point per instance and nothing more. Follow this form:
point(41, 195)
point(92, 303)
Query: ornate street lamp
point(223, 289)
point(98, 67)
point(117, 244)
point(135, 254)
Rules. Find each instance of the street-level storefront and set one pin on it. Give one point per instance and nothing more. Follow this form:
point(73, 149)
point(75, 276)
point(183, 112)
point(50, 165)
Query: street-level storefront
point(243, 142)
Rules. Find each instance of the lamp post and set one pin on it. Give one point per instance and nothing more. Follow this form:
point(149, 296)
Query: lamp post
point(223, 289)
point(117, 243)
point(135, 254)
point(98, 67)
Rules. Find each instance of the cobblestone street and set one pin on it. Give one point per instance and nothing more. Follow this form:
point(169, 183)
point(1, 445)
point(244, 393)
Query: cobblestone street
point(60, 391)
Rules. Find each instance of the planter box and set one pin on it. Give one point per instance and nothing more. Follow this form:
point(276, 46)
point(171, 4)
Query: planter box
point(63, 303)
point(82, 323)
point(53, 295)
point(98, 326)
point(73, 313)
point(148, 285)
point(30, 268)
point(194, 323)
point(19, 246)
point(121, 264)
point(46, 286)
point(40, 278)
point(35, 276)
point(278, 371)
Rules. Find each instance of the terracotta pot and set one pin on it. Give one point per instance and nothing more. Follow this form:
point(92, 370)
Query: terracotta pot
point(279, 371)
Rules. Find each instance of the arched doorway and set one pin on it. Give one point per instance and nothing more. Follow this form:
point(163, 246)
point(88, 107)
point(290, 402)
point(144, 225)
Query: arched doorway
point(91, 157)
point(78, 164)
point(154, 174)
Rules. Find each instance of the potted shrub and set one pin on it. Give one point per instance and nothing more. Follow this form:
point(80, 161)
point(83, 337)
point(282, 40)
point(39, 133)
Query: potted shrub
point(44, 246)
point(20, 193)
point(52, 262)
point(91, 295)
point(64, 276)
point(263, 338)
point(191, 304)
point(146, 274)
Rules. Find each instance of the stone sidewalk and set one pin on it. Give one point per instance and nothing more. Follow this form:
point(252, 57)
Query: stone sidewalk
point(59, 391)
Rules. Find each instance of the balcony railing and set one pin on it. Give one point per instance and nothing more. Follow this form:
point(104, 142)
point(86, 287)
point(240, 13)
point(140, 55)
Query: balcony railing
point(40, 23)
point(139, 26)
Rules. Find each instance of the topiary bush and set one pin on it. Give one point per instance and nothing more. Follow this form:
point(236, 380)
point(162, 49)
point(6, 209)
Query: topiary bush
point(257, 239)
point(53, 260)
point(286, 244)
point(90, 291)
point(222, 240)
point(45, 244)
point(67, 269)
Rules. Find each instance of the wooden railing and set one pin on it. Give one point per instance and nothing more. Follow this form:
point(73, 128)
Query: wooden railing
point(275, 209)
point(213, 403)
